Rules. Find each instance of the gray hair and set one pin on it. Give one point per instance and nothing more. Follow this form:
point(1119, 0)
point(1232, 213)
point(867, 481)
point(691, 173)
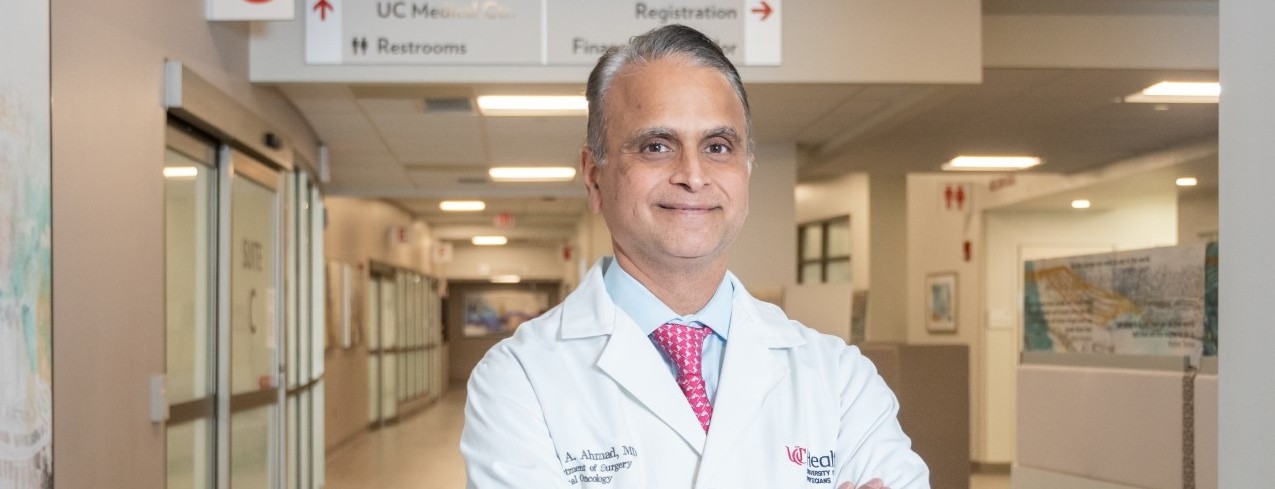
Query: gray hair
point(670, 41)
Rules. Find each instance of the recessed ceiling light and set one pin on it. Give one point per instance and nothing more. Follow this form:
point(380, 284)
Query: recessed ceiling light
point(462, 205)
point(1187, 182)
point(505, 279)
point(1168, 92)
point(489, 240)
point(532, 173)
point(1080, 204)
point(991, 163)
point(180, 172)
point(519, 105)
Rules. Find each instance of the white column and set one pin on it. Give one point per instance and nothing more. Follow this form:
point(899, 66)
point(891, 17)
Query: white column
point(1246, 397)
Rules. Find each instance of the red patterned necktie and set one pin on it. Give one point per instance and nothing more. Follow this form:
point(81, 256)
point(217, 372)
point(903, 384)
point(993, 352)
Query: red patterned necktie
point(684, 345)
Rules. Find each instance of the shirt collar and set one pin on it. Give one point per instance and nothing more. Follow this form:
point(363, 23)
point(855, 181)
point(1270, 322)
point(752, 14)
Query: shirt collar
point(649, 312)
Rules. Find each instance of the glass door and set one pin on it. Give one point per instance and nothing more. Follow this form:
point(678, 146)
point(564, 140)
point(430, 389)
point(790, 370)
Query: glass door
point(389, 347)
point(190, 214)
point(303, 381)
point(253, 406)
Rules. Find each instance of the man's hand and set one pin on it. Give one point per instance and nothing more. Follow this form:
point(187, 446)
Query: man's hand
point(872, 484)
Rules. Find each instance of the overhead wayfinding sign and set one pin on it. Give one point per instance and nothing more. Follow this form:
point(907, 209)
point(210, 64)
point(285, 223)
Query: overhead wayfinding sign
point(526, 32)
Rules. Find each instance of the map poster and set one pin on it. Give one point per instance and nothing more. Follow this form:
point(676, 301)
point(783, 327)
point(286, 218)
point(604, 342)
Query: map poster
point(1142, 302)
point(26, 371)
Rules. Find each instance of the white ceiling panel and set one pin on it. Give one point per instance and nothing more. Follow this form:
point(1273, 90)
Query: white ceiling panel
point(781, 113)
point(535, 140)
point(321, 99)
point(423, 138)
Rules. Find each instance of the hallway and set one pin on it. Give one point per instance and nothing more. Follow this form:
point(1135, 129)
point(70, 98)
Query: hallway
point(421, 453)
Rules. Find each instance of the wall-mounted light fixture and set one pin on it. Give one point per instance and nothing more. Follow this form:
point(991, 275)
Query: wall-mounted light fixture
point(1187, 182)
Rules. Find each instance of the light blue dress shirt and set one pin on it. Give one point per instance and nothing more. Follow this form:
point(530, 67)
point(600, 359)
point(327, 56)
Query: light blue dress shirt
point(649, 313)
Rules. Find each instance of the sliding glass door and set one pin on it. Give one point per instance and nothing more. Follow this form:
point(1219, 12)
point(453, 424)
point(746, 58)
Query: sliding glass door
point(190, 214)
point(254, 336)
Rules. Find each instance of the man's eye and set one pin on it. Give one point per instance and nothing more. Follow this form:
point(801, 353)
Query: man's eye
point(718, 148)
point(655, 148)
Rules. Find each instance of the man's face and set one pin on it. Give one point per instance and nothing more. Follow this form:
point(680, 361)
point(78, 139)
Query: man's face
point(674, 187)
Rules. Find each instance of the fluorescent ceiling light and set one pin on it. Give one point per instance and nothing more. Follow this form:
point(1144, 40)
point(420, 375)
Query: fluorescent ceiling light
point(1187, 182)
point(462, 205)
point(991, 163)
point(1168, 92)
point(532, 173)
point(505, 279)
point(489, 240)
point(180, 172)
point(1080, 204)
point(497, 105)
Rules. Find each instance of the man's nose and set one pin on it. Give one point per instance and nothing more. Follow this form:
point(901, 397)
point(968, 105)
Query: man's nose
point(689, 172)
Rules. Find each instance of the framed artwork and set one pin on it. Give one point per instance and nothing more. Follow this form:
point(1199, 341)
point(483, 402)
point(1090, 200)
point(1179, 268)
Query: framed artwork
point(940, 302)
point(334, 279)
point(345, 304)
point(497, 313)
point(26, 273)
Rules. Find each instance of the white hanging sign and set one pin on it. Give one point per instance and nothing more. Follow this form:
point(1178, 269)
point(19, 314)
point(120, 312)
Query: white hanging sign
point(526, 32)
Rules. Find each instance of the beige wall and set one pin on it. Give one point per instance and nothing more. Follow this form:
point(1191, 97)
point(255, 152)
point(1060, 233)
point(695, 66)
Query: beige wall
point(846, 195)
point(988, 285)
point(1012, 236)
point(358, 232)
point(935, 245)
point(841, 196)
point(764, 255)
point(1197, 216)
point(108, 218)
point(887, 248)
point(529, 262)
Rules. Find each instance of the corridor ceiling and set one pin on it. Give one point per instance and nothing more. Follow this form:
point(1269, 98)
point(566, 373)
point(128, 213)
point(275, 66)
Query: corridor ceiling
point(387, 141)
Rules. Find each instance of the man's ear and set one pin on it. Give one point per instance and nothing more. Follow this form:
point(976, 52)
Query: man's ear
point(589, 170)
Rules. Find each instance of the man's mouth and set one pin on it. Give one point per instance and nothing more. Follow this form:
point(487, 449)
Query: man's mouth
point(688, 207)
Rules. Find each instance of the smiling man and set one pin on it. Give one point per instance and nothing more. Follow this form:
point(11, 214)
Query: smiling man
point(660, 370)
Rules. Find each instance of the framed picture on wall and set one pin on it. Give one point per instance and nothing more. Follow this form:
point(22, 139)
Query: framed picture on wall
point(497, 313)
point(940, 302)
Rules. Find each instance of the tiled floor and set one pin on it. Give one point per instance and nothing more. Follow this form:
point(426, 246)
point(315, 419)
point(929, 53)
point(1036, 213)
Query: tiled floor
point(421, 453)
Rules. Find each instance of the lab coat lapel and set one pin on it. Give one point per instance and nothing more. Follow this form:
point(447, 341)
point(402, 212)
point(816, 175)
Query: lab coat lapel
point(749, 373)
point(631, 360)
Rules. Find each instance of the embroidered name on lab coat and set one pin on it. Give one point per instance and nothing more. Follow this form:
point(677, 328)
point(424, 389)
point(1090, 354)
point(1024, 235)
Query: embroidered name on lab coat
point(598, 466)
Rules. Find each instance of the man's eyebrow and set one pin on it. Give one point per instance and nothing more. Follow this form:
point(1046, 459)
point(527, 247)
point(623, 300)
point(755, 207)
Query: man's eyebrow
point(725, 132)
point(651, 132)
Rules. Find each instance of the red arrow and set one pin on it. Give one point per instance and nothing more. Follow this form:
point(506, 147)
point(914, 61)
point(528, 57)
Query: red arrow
point(323, 7)
point(764, 10)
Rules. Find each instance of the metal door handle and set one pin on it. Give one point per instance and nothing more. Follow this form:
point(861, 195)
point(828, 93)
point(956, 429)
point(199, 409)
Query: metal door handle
point(252, 321)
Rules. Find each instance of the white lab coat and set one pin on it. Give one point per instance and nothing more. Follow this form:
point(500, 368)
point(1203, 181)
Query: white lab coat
point(580, 398)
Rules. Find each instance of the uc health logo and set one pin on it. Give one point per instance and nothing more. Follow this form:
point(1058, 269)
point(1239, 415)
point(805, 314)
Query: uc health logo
point(796, 454)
